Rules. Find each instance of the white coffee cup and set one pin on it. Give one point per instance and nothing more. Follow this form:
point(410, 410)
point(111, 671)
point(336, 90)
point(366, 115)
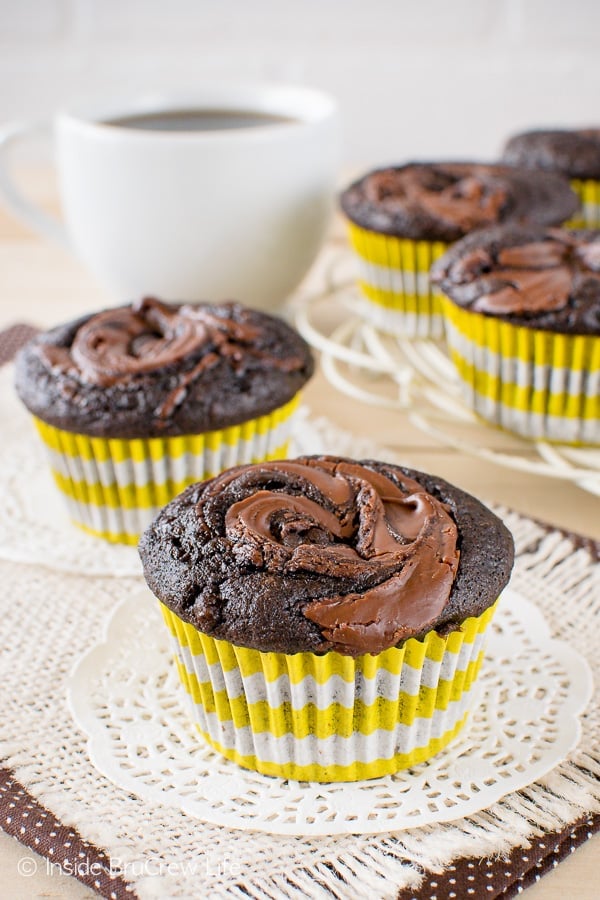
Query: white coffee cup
point(193, 215)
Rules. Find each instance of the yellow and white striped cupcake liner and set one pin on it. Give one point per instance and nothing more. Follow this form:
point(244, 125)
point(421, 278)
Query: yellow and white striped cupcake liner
point(394, 279)
point(115, 487)
point(588, 191)
point(330, 717)
point(539, 384)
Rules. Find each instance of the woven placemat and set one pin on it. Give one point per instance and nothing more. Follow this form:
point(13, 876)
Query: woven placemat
point(35, 826)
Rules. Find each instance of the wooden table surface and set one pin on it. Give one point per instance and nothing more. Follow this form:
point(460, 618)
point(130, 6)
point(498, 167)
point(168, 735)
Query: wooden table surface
point(44, 285)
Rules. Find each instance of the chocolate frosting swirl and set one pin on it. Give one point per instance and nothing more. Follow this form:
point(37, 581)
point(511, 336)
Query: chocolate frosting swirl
point(118, 344)
point(468, 198)
point(156, 368)
point(318, 554)
point(444, 201)
point(361, 524)
point(532, 275)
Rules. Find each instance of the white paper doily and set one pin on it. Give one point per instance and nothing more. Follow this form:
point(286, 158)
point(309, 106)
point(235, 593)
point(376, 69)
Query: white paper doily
point(417, 376)
point(34, 524)
point(126, 696)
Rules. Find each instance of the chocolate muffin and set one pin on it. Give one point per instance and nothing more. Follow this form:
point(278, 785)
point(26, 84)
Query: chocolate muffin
point(153, 369)
point(276, 577)
point(137, 402)
point(403, 218)
point(321, 554)
point(574, 153)
point(523, 326)
point(445, 201)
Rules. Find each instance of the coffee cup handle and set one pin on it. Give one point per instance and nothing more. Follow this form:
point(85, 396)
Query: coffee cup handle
point(21, 207)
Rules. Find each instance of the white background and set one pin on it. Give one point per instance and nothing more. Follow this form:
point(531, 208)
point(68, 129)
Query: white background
point(422, 79)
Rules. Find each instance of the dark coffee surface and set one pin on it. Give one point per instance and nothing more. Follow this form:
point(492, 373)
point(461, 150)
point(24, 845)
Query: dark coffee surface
point(153, 369)
point(295, 570)
point(199, 120)
point(548, 279)
point(575, 154)
point(445, 201)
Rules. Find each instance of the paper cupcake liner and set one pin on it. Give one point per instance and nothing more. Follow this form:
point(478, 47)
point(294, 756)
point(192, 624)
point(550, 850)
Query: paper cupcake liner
point(588, 191)
point(539, 384)
point(330, 717)
point(115, 487)
point(394, 278)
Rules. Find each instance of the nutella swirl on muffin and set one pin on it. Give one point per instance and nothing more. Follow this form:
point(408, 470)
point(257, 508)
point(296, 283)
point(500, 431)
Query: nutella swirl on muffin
point(322, 554)
point(545, 279)
point(157, 369)
point(361, 524)
point(117, 344)
point(468, 198)
point(444, 201)
point(149, 335)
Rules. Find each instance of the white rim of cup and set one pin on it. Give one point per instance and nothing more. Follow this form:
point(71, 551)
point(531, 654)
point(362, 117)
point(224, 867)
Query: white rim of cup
point(306, 106)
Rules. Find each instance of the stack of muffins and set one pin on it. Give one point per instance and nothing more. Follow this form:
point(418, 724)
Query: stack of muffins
point(328, 616)
point(474, 253)
point(402, 219)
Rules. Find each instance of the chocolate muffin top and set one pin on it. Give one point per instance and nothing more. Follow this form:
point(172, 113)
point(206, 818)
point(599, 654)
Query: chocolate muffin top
point(444, 201)
point(548, 279)
point(154, 369)
point(323, 553)
point(575, 154)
